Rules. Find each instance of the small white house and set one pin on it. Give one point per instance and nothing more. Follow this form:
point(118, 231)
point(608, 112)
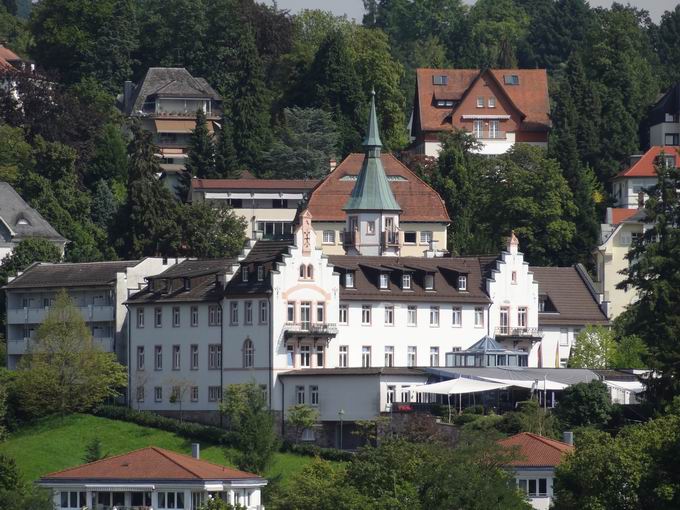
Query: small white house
point(152, 478)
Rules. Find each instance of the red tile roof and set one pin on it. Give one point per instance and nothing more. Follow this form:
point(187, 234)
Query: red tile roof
point(150, 463)
point(621, 214)
point(530, 96)
point(536, 451)
point(273, 184)
point(419, 202)
point(644, 167)
point(7, 54)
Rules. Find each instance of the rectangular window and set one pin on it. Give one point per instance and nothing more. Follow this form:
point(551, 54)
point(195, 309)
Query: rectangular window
point(291, 312)
point(158, 357)
point(425, 237)
point(320, 313)
point(491, 103)
point(214, 315)
point(391, 394)
point(329, 237)
point(290, 355)
point(457, 320)
point(480, 102)
point(462, 283)
point(366, 356)
point(672, 139)
point(343, 355)
point(320, 356)
point(370, 228)
point(389, 356)
point(511, 79)
point(478, 128)
point(494, 130)
point(194, 393)
point(299, 395)
point(384, 280)
point(305, 356)
point(434, 316)
point(140, 357)
point(412, 315)
point(564, 337)
point(479, 317)
point(406, 282)
point(522, 317)
point(365, 315)
point(409, 238)
point(175, 357)
point(305, 314)
point(140, 393)
point(175, 317)
point(434, 356)
point(429, 281)
point(440, 79)
point(244, 273)
point(158, 394)
point(158, 317)
point(314, 395)
point(248, 313)
point(233, 313)
point(405, 393)
point(342, 314)
point(194, 356)
point(260, 273)
point(214, 356)
point(214, 393)
point(349, 279)
point(389, 316)
point(411, 359)
point(140, 317)
point(279, 203)
point(194, 316)
point(264, 312)
point(504, 319)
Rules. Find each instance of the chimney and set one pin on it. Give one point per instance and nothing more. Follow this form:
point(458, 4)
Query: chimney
point(196, 450)
point(332, 164)
point(568, 437)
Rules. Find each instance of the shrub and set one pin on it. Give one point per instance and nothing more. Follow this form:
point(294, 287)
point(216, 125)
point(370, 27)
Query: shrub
point(312, 450)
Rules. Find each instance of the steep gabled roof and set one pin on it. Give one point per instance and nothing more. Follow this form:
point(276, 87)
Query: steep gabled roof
point(644, 166)
point(152, 464)
point(536, 451)
point(621, 214)
point(22, 219)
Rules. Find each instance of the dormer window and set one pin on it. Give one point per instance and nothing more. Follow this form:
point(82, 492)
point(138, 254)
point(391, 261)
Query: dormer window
point(260, 273)
point(187, 283)
point(462, 283)
point(244, 274)
point(511, 79)
point(349, 279)
point(23, 221)
point(440, 79)
point(406, 282)
point(541, 304)
point(384, 280)
point(429, 281)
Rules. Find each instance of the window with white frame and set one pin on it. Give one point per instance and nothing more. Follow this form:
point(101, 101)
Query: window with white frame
point(158, 317)
point(533, 487)
point(320, 351)
point(349, 279)
point(343, 354)
point(158, 394)
point(299, 395)
point(194, 316)
point(193, 349)
point(494, 129)
point(215, 315)
point(264, 312)
point(410, 237)
point(158, 357)
point(342, 314)
point(457, 317)
point(425, 237)
point(462, 282)
point(305, 314)
point(389, 316)
point(434, 356)
point(479, 317)
point(175, 317)
point(140, 357)
point(522, 317)
point(434, 316)
point(412, 355)
point(480, 102)
point(365, 315)
point(140, 317)
point(366, 356)
point(248, 313)
point(389, 356)
point(244, 273)
point(194, 393)
point(564, 337)
point(305, 356)
point(175, 357)
point(412, 315)
point(405, 394)
point(384, 280)
point(406, 281)
point(233, 313)
point(260, 273)
point(478, 128)
point(290, 355)
point(314, 395)
point(291, 312)
point(140, 393)
point(391, 394)
point(329, 237)
point(72, 499)
point(429, 281)
point(214, 393)
point(248, 353)
point(167, 500)
point(320, 313)
point(214, 356)
point(491, 102)
point(370, 228)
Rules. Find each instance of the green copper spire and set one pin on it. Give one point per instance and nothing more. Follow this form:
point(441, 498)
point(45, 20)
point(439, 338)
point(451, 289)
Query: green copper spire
point(372, 191)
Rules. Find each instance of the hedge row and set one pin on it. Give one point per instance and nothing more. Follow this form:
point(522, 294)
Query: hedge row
point(312, 450)
point(186, 429)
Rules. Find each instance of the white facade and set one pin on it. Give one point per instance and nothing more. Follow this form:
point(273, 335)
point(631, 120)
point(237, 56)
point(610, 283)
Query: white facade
point(629, 192)
point(665, 133)
point(487, 146)
point(537, 484)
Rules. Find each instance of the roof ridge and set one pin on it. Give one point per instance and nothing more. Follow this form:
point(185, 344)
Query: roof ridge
point(164, 451)
point(549, 441)
point(96, 461)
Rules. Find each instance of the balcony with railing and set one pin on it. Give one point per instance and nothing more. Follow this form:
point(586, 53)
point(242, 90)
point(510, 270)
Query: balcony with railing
point(391, 238)
point(490, 134)
point(36, 315)
point(310, 329)
point(513, 332)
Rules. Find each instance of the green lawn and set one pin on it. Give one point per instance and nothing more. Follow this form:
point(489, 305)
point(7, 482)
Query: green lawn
point(57, 443)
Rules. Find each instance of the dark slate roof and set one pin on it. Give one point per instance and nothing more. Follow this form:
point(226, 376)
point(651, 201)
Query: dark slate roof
point(265, 254)
point(446, 271)
point(172, 82)
point(192, 268)
point(13, 208)
point(569, 293)
point(84, 274)
point(407, 371)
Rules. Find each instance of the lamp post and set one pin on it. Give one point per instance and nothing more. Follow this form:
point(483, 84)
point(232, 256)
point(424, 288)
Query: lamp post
point(341, 413)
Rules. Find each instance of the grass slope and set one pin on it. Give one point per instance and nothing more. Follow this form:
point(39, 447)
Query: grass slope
point(58, 443)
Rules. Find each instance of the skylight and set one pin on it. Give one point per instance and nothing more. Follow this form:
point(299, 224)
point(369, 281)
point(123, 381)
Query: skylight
point(440, 79)
point(511, 79)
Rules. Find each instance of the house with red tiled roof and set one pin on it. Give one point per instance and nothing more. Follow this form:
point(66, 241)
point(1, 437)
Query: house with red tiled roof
point(500, 107)
point(152, 478)
point(536, 458)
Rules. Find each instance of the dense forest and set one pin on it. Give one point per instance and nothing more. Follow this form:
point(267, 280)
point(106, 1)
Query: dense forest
point(291, 81)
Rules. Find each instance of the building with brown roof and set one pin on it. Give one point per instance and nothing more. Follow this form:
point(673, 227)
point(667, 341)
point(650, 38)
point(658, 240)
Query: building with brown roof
point(152, 477)
point(536, 458)
point(500, 107)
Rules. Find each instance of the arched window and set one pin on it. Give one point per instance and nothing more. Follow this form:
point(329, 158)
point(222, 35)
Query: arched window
point(248, 353)
point(302, 270)
point(310, 271)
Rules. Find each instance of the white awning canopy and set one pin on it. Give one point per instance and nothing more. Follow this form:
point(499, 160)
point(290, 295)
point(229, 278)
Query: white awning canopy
point(459, 386)
point(536, 384)
point(632, 386)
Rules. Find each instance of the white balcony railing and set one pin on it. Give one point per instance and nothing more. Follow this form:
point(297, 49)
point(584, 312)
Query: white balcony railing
point(92, 313)
point(310, 328)
point(518, 332)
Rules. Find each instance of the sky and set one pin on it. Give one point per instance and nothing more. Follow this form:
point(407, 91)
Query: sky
point(355, 8)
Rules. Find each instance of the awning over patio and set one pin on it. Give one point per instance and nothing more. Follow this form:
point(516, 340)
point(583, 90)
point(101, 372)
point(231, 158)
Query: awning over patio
point(536, 384)
point(459, 386)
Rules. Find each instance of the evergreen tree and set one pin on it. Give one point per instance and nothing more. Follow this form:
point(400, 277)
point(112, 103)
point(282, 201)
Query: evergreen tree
point(93, 451)
point(104, 206)
point(226, 161)
point(201, 154)
point(668, 45)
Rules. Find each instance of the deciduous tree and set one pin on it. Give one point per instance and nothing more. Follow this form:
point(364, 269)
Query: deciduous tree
point(595, 347)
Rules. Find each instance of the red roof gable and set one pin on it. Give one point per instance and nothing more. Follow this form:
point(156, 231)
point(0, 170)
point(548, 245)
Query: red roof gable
point(536, 451)
point(644, 167)
point(149, 464)
point(418, 201)
point(273, 184)
point(529, 96)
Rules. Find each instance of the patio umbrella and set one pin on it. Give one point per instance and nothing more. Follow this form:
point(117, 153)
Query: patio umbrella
point(458, 387)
